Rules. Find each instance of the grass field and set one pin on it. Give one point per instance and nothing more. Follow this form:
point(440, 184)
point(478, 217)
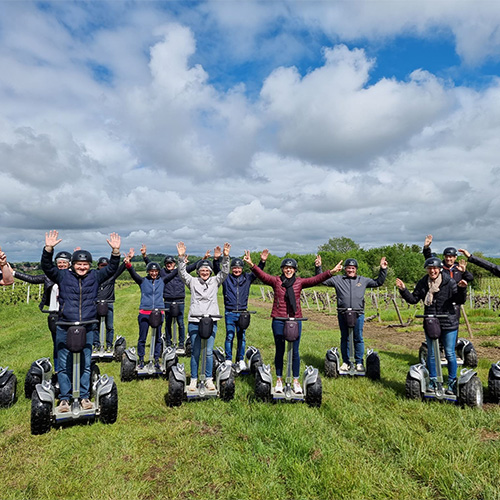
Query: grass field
point(367, 441)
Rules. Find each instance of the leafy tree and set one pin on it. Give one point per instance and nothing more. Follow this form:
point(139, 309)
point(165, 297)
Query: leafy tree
point(341, 245)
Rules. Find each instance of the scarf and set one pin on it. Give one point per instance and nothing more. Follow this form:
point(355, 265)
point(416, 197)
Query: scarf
point(289, 294)
point(433, 288)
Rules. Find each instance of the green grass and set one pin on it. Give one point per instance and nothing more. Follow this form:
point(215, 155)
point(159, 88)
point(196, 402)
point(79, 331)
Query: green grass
point(367, 441)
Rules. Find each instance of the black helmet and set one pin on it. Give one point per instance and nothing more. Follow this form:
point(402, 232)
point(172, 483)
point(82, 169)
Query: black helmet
point(351, 262)
point(81, 256)
point(153, 266)
point(204, 263)
point(63, 255)
point(433, 262)
point(168, 260)
point(288, 262)
point(450, 251)
point(103, 260)
point(236, 262)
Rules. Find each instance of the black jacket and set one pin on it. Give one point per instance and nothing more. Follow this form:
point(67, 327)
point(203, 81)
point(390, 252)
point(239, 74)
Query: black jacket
point(489, 266)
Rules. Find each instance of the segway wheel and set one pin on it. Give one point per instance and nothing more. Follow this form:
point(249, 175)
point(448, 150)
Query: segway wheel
point(219, 358)
point(314, 393)
point(40, 415)
point(30, 382)
point(373, 366)
point(422, 353)
point(188, 347)
point(493, 386)
point(120, 346)
point(175, 390)
point(227, 388)
point(470, 356)
point(8, 392)
point(412, 388)
point(331, 369)
point(127, 369)
point(471, 393)
point(170, 364)
point(256, 362)
point(109, 406)
point(95, 372)
point(262, 389)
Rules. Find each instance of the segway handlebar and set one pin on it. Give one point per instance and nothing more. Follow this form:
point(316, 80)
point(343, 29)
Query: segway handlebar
point(439, 316)
point(77, 323)
point(345, 309)
point(213, 316)
point(292, 319)
point(244, 311)
point(48, 311)
point(156, 309)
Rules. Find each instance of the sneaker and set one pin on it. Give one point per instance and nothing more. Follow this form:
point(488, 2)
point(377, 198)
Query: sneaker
point(297, 388)
point(63, 406)
point(279, 386)
point(360, 367)
point(96, 348)
point(242, 365)
point(345, 367)
point(181, 347)
point(192, 385)
point(157, 364)
point(452, 387)
point(432, 384)
point(141, 363)
point(109, 348)
point(86, 404)
point(209, 384)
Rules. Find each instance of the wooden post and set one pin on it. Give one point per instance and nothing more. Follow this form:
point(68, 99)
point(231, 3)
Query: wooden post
point(263, 293)
point(466, 319)
point(304, 297)
point(28, 295)
point(397, 311)
point(329, 304)
point(489, 297)
point(316, 299)
point(376, 307)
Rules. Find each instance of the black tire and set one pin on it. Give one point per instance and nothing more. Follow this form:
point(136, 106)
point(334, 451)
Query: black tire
point(314, 393)
point(175, 391)
point(120, 346)
point(219, 358)
point(331, 369)
point(422, 353)
point(30, 382)
point(256, 362)
point(95, 372)
point(471, 393)
point(493, 386)
point(227, 388)
point(373, 366)
point(127, 369)
point(108, 405)
point(40, 415)
point(262, 389)
point(188, 347)
point(8, 392)
point(470, 356)
point(170, 364)
point(412, 388)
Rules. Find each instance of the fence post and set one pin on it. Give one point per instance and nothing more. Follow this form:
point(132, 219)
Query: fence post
point(329, 304)
point(466, 319)
point(303, 295)
point(316, 299)
point(28, 295)
point(39, 291)
point(470, 296)
point(263, 294)
point(489, 297)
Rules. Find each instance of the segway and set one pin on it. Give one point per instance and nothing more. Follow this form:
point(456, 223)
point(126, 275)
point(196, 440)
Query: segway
point(311, 384)
point(332, 359)
point(252, 359)
point(44, 412)
point(224, 377)
point(8, 386)
point(466, 354)
point(119, 345)
point(129, 367)
point(494, 382)
point(469, 390)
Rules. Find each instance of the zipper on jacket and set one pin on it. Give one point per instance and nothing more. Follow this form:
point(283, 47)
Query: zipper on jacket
point(80, 304)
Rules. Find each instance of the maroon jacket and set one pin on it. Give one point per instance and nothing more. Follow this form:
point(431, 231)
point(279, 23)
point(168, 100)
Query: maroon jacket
point(280, 309)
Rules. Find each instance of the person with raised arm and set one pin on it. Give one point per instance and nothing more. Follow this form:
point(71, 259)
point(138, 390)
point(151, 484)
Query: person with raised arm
point(478, 261)
point(6, 274)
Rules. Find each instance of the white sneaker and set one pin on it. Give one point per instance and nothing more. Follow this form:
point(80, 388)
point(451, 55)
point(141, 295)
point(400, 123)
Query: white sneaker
point(242, 365)
point(360, 367)
point(279, 386)
point(344, 367)
point(209, 384)
point(297, 388)
point(193, 384)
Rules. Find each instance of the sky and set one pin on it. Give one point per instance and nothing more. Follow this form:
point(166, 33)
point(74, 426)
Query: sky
point(267, 124)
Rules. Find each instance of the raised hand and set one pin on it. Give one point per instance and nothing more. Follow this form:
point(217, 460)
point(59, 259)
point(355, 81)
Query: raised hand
point(181, 249)
point(428, 241)
point(227, 248)
point(143, 250)
point(129, 256)
point(217, 252)
point(207, 254)
point(462, 283)
point(383, 263)
point(465, 252)
point(3, 259)
point(264, 255)
point(337, 268)
point(114, 241)
point(318, 261)
point(400, 284)
point(51, 240)
point(247, 258)
point(462, 265)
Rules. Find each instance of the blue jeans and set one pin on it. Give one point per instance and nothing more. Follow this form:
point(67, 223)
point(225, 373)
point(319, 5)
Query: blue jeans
point(448, 340)
point(359, 344)
point(196, 350)
point(110, 332)
point(278, 326)
point(232, 328)
point(65, 362)
point(180, 324)
point(143, 320)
